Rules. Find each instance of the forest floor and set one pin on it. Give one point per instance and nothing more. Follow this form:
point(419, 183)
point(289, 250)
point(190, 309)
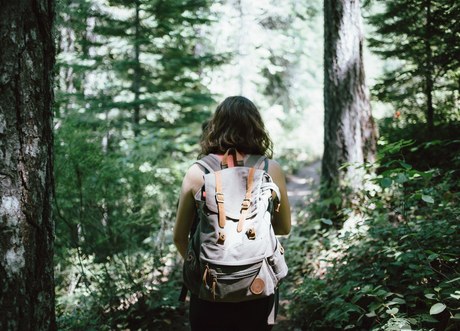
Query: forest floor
point(300, 185)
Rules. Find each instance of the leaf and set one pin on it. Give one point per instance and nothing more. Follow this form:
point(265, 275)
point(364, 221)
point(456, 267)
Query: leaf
point(433, 257)
point(428, 318)
point(326, 221)
point(407, 235)
point(337, 201)
point(437, 308)
point(401, 178)
point(405, 165)
point(392, 311)
point(427, 198)
point(453, 280)
point(386, 182)
point(455, 296)
point(371, 314)
point(398, 301)
point(430, 296)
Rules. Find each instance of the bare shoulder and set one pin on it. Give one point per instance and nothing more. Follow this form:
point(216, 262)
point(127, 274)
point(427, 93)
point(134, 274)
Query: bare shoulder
point(193, 179)
point(274, 168)
point(276, 172)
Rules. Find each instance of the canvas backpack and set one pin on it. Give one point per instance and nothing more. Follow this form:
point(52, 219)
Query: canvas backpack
point(233, 254)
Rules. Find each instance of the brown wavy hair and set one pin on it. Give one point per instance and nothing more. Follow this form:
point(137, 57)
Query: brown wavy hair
point(236, 124)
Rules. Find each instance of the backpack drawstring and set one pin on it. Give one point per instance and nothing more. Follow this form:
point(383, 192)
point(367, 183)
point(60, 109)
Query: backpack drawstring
point(207, 272)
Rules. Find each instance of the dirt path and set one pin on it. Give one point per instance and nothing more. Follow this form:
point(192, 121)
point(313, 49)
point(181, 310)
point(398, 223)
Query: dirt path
point(303, 183)
point(300, 186)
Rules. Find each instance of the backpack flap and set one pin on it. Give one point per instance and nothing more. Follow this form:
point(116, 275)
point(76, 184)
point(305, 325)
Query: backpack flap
point(234, 182)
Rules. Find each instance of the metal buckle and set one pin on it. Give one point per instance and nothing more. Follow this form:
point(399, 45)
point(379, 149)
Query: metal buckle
point(220, 197)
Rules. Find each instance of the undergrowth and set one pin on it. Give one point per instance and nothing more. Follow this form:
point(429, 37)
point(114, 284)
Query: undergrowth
point(392, 263)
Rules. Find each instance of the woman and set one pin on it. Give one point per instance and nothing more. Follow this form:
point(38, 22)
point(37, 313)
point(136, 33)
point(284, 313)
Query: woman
point(236, 124)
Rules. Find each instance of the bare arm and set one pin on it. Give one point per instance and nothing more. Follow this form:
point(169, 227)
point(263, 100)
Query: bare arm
point(282, 217)
point(192, 182)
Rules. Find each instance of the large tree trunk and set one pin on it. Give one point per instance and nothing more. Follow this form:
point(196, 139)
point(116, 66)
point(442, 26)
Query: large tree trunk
point(26, 167)
point(349, 130)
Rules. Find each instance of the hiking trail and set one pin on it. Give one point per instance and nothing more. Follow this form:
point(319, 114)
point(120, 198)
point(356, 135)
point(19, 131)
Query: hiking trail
point(300, 186)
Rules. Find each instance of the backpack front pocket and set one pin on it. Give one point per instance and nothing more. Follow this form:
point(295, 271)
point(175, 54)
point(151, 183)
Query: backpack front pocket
point(237, 283)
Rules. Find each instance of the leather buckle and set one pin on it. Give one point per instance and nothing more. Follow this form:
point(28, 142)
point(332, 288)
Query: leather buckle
point(220, 197)
point(245, 204)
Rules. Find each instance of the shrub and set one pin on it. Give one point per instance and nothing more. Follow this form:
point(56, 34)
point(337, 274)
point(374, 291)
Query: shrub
point(394, 264)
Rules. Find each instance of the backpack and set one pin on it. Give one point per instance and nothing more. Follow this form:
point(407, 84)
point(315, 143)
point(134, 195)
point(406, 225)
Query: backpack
point(233, 254)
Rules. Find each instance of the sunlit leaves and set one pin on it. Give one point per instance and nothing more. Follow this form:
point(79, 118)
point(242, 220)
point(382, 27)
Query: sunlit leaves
point(427, 198)
point(437, 308)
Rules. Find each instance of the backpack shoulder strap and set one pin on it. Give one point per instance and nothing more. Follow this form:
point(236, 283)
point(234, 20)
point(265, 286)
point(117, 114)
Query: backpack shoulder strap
point(210, 163)
point(256, 161)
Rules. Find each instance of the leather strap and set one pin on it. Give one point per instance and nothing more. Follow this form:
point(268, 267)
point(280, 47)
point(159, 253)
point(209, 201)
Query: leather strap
point(247, 199)
point(236, 156)
point(220, 199)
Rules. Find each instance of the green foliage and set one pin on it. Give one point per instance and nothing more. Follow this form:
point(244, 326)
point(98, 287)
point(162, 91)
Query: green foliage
point(429, 149)
point(418, 39)
point(124, 292)
point(129, 107)
point(394, 263)
point(95, 202)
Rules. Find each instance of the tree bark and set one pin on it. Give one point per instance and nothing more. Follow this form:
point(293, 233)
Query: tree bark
point(349, 130)
point(428, 67)
point(26, 165)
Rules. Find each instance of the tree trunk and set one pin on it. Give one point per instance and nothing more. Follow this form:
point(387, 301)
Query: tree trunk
point(428, 67)
point(137, 71)
point(26, 165)
point(349, 130)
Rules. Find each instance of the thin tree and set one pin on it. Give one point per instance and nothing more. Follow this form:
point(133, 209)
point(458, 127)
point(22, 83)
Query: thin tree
point(349, 130)
point(26, 166)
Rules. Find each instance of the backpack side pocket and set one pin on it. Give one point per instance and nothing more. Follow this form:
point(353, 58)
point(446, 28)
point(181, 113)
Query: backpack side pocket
point(277, 263)
point(191, 271)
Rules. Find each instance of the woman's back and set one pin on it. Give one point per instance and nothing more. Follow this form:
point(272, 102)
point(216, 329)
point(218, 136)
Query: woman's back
point(236, 125)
